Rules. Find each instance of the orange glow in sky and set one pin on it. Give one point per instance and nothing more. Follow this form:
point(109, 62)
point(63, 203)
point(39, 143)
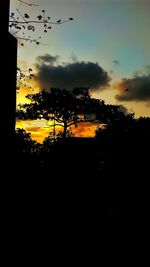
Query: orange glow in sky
point(39, 131)
point(38, 128)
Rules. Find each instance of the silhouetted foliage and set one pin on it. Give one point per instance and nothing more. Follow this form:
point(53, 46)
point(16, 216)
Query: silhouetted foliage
point(52, 138)
point(66, 108)
point(112, 167)
point(24, 77)
point(107, 175)
point(126, 126)
point(119, 125)
point(123, 162)
point(24, 142)
point(22, 22)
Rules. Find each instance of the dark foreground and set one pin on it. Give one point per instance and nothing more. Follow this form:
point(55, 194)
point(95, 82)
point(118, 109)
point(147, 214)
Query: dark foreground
point(80, 179)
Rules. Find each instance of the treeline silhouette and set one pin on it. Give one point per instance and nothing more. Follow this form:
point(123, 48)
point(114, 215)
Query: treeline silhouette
point(103, 176)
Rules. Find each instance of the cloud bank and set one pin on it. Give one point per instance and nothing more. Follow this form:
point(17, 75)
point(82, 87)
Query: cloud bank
point(51, 73)
point(136, 88)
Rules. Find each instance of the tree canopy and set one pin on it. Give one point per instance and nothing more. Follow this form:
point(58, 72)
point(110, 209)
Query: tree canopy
point(66, 108)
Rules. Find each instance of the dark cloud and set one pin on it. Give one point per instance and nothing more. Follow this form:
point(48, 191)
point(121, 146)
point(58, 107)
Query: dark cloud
point(136, 88)
point(116, 62)
point(70, 75)
point(47, 59)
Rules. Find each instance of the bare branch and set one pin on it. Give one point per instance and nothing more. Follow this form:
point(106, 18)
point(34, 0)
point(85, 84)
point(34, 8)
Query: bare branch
point(78, 121)
point(22, 78)
point(58, 120)
point(31, 40)
point(22, 84)
point(40, 22)
point(26, 3)
point(22, 23)
point(52, 125)
point(25, 21)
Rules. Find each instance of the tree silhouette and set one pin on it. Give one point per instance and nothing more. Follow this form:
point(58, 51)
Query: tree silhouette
point(120, 125)
point(23, 78)
point(22, 22)
point(24, 142)
point(18, 24)
point(66, 108)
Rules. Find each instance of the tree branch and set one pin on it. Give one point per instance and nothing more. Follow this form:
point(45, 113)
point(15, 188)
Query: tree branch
point(25, 21)
point(56, 124)
point(31, 40)
point(59, 121)
point(39, 22)
point(29, 4)
point(78, 121)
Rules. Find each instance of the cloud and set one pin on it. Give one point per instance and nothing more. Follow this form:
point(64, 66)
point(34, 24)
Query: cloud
point(33, 129)
point(36, 128)
point(47, 59)
point(85, 129)
point(136, 88)
point(70, 75)
point(38, 133)
point(116, 62)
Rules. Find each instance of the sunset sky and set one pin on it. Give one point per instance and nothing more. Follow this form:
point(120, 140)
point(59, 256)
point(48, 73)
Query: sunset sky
point(110, 37)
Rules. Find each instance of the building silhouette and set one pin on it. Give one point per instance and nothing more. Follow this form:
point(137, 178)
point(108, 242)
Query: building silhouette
point(8, 81)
